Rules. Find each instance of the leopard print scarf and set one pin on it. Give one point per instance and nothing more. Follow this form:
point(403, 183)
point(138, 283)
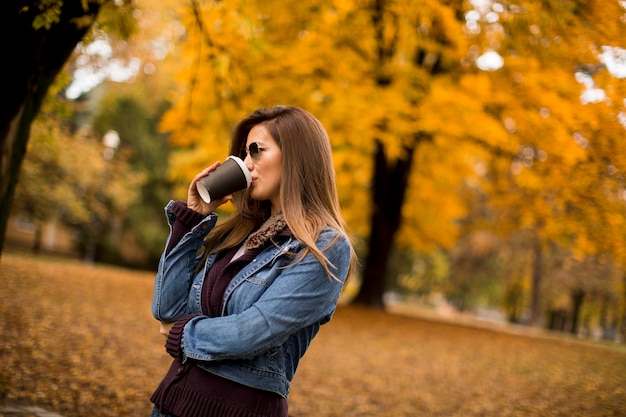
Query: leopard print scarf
point(268, 230)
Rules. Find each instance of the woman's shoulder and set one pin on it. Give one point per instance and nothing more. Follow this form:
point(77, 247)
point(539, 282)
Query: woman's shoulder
point(328, 237)
point(331, 236)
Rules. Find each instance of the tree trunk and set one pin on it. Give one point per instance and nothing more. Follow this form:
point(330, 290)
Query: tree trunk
point(622, 319)
point(32, 59)
point(36, 249)
point(390, 183)
point(578, 297)
point(535, 306)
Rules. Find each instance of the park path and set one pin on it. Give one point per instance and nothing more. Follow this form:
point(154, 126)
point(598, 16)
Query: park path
point(26, 412)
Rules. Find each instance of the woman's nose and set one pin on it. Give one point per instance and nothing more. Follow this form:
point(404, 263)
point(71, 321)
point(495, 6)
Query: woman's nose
point(249, 163)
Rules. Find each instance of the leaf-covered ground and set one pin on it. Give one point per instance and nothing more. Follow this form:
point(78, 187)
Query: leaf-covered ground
point(80, 341)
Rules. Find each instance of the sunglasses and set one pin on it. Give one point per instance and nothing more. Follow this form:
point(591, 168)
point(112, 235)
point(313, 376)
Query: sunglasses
point(254, 150)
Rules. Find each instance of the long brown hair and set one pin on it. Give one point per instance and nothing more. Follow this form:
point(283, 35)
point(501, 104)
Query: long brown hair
point(308, 193)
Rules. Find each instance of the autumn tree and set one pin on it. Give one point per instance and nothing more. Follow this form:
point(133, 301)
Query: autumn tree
point(69, 179)
point(358, 69)
point(562, 184)
point(146, 157)
point(38, 37)
point(414, 115)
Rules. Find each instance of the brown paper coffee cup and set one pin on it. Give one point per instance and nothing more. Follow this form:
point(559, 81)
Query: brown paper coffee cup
point(231, 176)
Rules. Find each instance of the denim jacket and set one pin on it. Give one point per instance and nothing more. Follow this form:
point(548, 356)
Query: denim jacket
point(271, 312)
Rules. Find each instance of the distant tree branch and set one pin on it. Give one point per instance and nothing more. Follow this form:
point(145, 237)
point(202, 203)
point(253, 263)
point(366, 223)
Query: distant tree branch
point(495, 150)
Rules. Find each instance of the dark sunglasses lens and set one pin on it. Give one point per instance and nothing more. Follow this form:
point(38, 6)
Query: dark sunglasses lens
point(254, 151)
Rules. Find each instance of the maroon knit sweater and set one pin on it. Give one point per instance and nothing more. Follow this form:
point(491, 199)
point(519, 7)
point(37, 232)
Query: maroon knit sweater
point(189, 391)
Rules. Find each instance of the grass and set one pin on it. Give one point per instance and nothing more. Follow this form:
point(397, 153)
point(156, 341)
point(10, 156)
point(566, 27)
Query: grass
point(80, 341)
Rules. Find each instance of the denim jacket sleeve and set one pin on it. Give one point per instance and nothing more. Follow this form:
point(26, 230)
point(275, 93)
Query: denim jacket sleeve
point(299, 296)
point(176, 270)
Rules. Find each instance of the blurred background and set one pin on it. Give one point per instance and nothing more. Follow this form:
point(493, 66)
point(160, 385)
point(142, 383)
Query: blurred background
point(478, 144)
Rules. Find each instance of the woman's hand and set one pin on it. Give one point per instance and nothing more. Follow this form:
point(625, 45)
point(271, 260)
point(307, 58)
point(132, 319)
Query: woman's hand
point(195, 202)
point(165, 328)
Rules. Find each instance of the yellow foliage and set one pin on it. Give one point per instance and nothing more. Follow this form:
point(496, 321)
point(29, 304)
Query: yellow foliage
point(520, 135)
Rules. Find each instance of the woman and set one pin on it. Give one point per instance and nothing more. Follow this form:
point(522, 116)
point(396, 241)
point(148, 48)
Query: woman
point(240, 302)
